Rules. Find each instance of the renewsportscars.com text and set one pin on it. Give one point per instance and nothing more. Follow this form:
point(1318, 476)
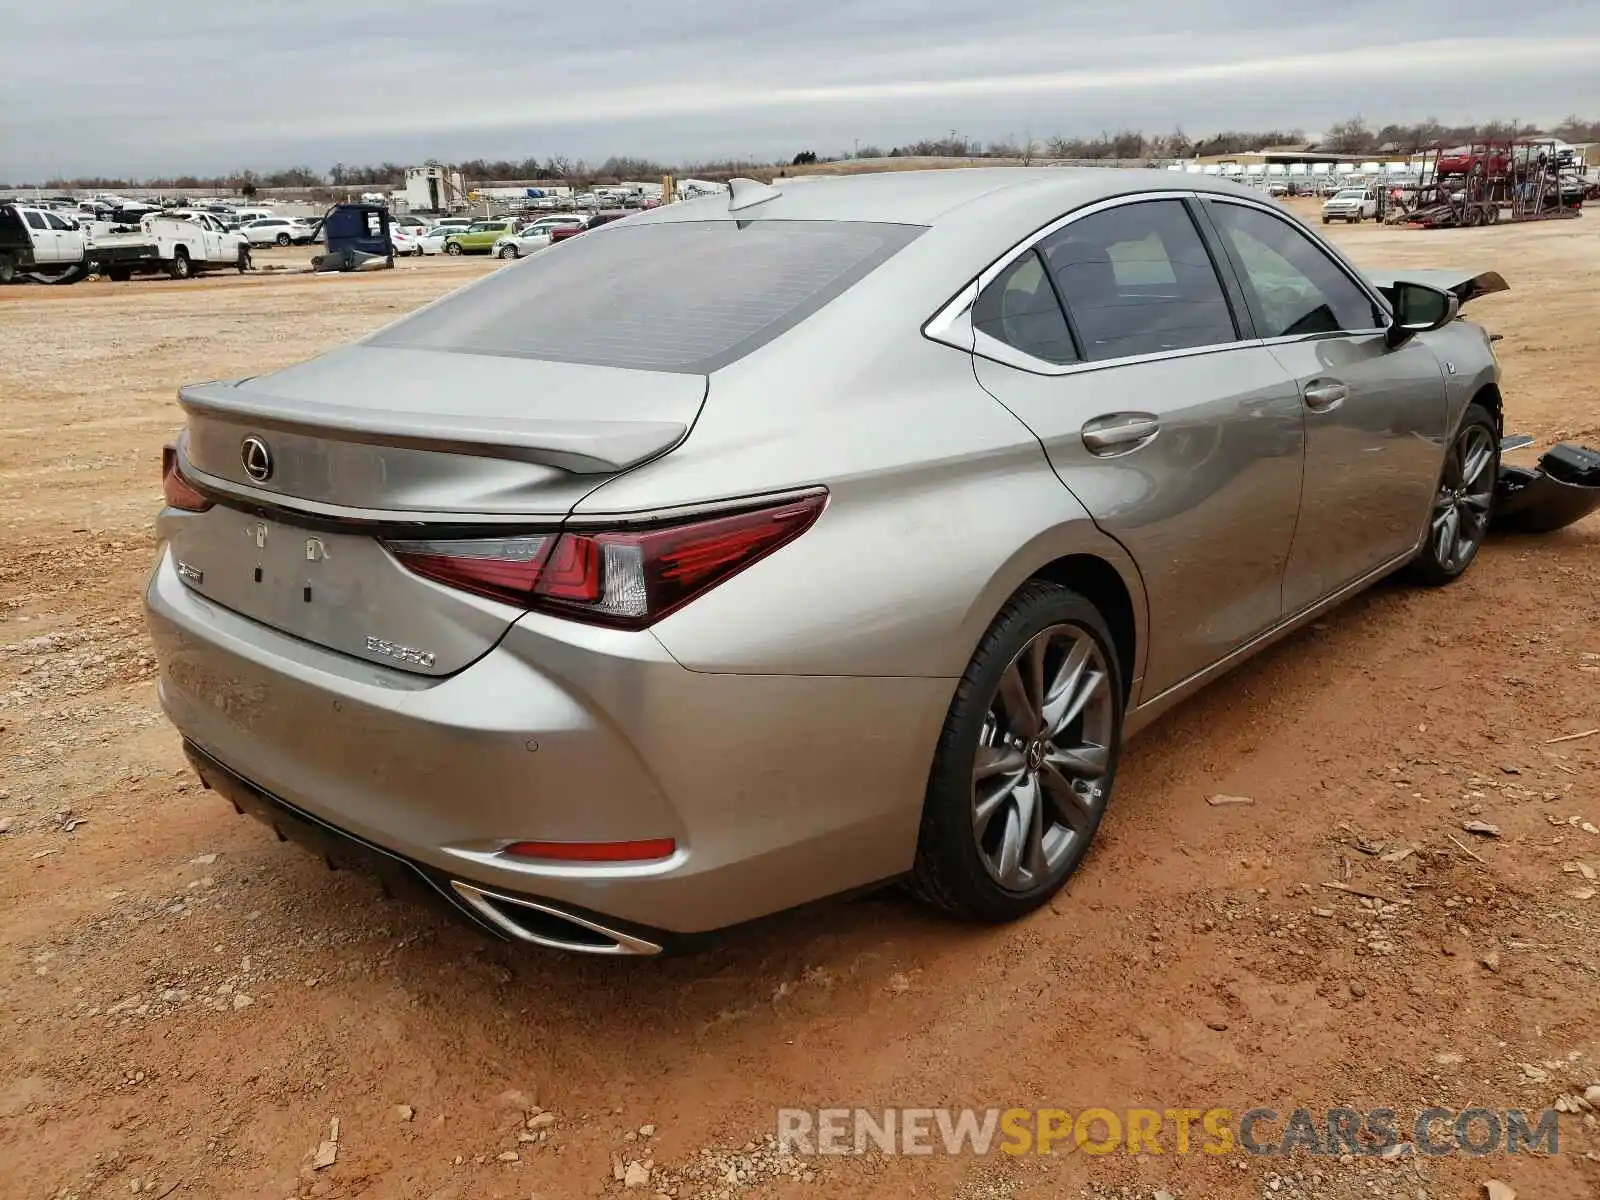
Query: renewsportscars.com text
point(1434, 1132)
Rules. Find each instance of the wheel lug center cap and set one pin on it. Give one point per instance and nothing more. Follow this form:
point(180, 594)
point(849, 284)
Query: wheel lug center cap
point(1035, 754)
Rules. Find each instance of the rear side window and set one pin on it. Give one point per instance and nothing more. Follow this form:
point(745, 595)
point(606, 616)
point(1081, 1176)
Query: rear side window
point(677, 296)
point(1020, 309)
point(36, 220)
point(1137, 279)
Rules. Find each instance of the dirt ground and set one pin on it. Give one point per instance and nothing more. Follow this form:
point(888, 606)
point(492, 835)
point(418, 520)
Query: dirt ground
point(186, 1005)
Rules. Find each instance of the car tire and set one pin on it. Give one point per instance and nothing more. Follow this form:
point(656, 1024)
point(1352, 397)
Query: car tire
point(1464, 502)
point(508, 252)
point(972, 842)
point(1327, 220)
point(180, 267)
point(284, 239)
point(452, 248)
point(8, 269)
point(119, 274)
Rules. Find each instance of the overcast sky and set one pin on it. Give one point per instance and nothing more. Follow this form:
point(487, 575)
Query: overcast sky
point(143, 87)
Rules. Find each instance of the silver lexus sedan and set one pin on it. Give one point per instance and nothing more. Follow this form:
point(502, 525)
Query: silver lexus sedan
point(790, 541)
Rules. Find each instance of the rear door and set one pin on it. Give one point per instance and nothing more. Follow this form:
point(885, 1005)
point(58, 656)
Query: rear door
point(1179, 433)
point(68, 238)
point(1375, 416)
point(45, 246)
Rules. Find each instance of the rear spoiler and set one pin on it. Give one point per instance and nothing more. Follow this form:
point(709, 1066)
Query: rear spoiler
point(1467, 285)
point(582, 447)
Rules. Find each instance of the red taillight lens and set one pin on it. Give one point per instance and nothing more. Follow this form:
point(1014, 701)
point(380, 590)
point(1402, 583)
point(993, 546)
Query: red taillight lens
point(628, 578)
point(499, 568)
point(646, 850)
point(175, 489)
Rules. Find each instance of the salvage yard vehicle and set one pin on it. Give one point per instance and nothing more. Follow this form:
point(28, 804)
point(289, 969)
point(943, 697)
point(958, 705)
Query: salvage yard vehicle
point(38, 243)
point(562, 233)
point(782, 543)
point(479, 237)
point(282, 231)
point(44, 245)
point(1352, 205)
point(178, 246)
point(16, 243)
point(535, 236)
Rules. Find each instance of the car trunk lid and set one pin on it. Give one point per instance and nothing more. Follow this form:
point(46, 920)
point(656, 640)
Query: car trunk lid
point(314, 466)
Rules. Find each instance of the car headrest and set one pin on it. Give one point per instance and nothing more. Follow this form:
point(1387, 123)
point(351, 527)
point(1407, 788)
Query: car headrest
point(1084, 272)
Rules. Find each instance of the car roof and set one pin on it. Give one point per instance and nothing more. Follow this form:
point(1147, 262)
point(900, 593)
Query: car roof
point(1010, 194)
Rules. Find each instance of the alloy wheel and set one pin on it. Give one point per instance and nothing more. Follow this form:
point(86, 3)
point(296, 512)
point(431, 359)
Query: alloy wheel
point(1038, 776)
point(1461, 509)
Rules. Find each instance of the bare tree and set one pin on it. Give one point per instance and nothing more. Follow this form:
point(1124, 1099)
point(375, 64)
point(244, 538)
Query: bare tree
point(1349, 137)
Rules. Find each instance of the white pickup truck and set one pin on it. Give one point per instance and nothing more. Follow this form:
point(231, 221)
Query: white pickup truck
point(1351, 205)
point(39, 243)
point(180, 246)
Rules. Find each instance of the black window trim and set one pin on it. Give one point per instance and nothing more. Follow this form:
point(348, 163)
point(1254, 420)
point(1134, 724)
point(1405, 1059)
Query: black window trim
point(1380, 304)
point(952, 324)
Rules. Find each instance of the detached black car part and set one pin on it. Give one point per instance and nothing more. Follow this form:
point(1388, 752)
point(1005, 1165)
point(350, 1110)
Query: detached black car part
point(1562, 489)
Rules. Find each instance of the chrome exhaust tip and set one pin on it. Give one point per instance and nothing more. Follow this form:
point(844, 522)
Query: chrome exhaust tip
point(543, 924)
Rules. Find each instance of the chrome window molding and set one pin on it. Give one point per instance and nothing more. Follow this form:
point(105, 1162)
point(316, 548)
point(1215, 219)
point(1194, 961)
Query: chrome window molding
point(952, 324)
point(985, 346)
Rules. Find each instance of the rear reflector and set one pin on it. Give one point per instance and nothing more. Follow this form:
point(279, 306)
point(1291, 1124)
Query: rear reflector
point(628, 578)
point(175, 489)
point(598, 852)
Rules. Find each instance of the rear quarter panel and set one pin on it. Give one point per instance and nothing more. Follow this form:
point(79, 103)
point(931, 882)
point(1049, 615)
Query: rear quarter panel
point(941, 503)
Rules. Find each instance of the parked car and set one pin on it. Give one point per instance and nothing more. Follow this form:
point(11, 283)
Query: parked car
point(478, 238)
point(562, 232)
point(432, 242)
point(283, 231)
point(788, 542)
point(533, 237)
point(405, 239)
point(1352, 205)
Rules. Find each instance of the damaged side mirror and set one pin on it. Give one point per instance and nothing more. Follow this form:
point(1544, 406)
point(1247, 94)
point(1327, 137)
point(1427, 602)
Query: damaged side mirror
point(1417, 309)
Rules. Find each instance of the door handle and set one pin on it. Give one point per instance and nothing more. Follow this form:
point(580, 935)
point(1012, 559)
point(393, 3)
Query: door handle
point(1117, 433)
point(1327, 395)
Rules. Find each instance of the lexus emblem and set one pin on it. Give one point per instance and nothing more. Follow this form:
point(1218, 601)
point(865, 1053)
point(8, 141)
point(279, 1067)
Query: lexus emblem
point(257, 459)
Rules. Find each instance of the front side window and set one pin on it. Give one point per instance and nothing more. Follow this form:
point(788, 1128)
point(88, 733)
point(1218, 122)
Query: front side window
point(1020, 309)
point(1293, 287)
point(56, 222)
point(1137, 279)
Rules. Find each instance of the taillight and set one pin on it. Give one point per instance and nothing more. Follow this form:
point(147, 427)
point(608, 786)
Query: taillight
point(629, 578)
point(178, 491)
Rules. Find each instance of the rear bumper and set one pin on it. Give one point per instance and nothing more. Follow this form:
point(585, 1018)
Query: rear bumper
point(778, 790)
point(498, 914)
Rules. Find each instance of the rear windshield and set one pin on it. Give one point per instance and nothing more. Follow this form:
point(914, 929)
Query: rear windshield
point(675, 296)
